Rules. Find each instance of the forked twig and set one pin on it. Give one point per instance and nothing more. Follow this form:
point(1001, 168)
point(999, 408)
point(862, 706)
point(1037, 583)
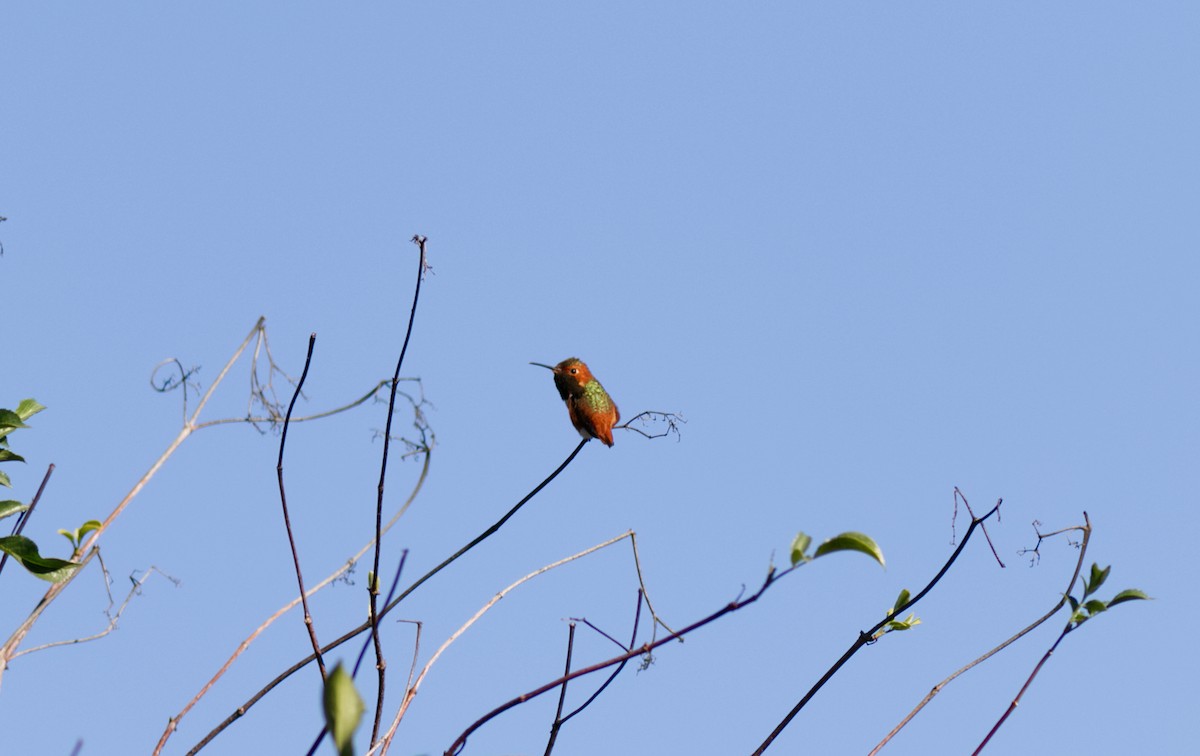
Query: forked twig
point(866, 637)
point(637, 616)
point(113, 617)
point(959, 495)
point(1087, 530)
point(411, 693)
point(741, 602)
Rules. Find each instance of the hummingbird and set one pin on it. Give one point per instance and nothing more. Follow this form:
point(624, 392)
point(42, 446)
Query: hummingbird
point(592, 410)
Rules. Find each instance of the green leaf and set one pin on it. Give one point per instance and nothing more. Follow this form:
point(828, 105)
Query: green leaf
point(25, 551)
point(1095, 606)
point(799, 546)
point(7, 456)
point(4, 481)
point(1096, 579)
point(87, 527)
point(11, 507)
point(1074, 603)
point(343, 709)
point(851, 542)
point(77, 535)
point(1129, 594)
point(901, 600)
point(10, 420)
point(891, 626)
point(907, 623)
point(28, 408)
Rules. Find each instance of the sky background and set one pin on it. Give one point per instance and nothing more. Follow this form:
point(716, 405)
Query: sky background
point(870, 252)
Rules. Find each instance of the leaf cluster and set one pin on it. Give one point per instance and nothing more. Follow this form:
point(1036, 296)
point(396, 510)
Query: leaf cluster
point(10, 420)
point(17, 546)
point(1085, 608)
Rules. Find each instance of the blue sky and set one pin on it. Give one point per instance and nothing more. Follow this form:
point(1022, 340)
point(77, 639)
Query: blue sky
point(870, 253)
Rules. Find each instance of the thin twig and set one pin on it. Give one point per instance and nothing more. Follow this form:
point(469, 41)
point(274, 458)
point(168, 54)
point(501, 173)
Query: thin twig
point(113, 619)
point(287, 523)
point(485, 534)
point(562, 694)
point(252, 420)
point(373, 587)
point(637, 616)
point(637, 563)
point(865, 637)
point(1054, 610)
point(672, 419)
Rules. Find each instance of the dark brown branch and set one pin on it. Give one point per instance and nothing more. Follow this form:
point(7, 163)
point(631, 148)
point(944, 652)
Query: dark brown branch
point(637, 616)
point(241, 710)
point(865, 637)
point(562, 694)
point(642, 650)
point(959, 495)
point(308, 621)
point(24, 516)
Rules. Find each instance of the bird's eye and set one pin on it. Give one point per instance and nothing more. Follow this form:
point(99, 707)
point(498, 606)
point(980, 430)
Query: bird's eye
point(574, 371)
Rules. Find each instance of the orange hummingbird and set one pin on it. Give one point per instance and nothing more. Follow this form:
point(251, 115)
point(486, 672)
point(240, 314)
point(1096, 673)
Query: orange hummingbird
point(592, 410)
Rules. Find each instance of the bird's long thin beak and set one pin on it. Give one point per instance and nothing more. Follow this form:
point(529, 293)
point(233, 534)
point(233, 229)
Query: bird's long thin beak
point(548, 367)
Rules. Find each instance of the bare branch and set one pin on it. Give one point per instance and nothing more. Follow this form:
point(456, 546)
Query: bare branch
point(287, 523)
point(959, 495)
point(1036, 623)
point(637, 616)
point(865, 638)
point(772, 577)
point(1087, 529)
point(637, 563)
point(241, 710)
point(373, 588)
point(562, 695)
